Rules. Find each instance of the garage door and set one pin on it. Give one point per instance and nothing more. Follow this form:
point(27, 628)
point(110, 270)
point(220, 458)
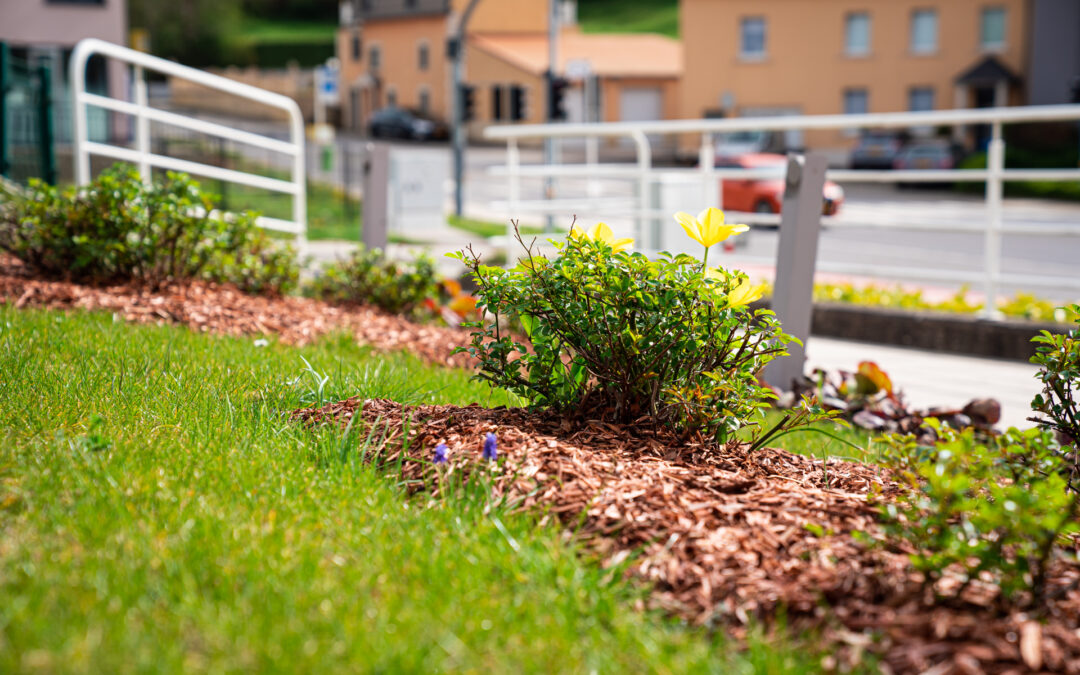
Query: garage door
point(640, 104)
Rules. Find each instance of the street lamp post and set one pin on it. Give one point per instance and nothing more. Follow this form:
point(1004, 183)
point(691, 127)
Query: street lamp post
point(456, 52)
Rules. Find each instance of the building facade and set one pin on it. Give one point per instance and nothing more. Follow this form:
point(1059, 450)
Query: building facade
point(394, 53)
point(46, 31)
point(776, 57)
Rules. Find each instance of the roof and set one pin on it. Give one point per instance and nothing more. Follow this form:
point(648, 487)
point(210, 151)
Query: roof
point(987, 71)
point(609, 55)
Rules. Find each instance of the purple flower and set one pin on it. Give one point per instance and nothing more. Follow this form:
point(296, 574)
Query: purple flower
point(440, 454)
point(490, 452)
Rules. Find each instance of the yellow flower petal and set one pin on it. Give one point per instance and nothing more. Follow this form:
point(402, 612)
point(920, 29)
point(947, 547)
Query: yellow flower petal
point(601, 232)
point(690, 225)
point(744, 294)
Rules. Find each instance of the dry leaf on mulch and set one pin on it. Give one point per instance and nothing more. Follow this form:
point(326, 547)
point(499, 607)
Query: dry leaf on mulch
point(225, 310)
point(724, 535)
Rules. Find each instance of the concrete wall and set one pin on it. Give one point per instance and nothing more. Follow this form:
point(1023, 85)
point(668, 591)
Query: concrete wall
point(1055, 51)
point(806, 67)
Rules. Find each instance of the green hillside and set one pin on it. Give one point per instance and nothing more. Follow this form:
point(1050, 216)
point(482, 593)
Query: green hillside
point(629, 16)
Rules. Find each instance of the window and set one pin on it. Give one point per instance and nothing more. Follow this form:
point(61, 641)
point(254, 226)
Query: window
point(752, 38)
point(357, 50)
point(422, 56)
point(857, 34)
point(423, 98)
point(374, 56)
point(924, 31)
point(921, 99)
point(856, 101)
point(391, 97)
point(992, 28)
point(496, 102)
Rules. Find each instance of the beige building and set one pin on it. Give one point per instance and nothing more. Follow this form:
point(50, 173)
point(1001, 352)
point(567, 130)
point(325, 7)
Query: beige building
point(776, 57)
point(393, 52)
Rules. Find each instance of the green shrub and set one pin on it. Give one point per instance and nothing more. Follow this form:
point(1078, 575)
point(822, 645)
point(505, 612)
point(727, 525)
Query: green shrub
point(625, 336)
point(996, 509)
point(118, 229)
point(1059, 402)
point(368, 277)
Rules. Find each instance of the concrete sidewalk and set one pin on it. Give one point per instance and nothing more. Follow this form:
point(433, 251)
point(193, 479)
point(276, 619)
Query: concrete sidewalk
point(932, 379)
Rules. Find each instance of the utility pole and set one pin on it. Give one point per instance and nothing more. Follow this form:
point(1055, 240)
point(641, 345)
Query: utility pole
point(552, 73)
point(456, 52)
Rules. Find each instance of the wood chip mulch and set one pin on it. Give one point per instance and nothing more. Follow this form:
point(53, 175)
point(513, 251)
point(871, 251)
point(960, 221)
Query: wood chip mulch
point(225, 310)
point(725, 536)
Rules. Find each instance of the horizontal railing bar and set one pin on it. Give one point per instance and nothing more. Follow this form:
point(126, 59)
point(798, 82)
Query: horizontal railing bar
point(695, 175)
point(191, 123)
point(1004, 115)
point(185, 166)
point(204, 78)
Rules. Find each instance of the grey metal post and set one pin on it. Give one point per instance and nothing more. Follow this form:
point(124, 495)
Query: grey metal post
point(800, 224)
point(553, 68)
point(376, 195)
point(457, 132)
point(5, 84)
point(45, 122)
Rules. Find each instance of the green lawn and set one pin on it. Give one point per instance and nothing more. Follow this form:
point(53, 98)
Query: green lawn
point(159, 513)
point(629, 16)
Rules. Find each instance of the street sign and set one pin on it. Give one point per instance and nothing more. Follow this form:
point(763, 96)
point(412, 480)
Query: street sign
point(326, 85)
point(578, 69)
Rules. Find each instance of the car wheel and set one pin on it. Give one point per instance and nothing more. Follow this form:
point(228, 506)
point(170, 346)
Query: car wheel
point(764, 206)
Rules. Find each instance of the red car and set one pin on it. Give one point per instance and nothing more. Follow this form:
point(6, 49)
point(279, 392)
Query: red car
point(765, 195)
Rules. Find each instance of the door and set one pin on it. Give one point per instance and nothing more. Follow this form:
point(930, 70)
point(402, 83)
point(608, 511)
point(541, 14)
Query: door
point(641, 104)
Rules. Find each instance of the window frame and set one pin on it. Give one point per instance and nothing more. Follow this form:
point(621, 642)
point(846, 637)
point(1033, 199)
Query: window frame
point(423, 56)
point(933, 48)
point(912, 91)
point(995, 46)
point(755, 55)
point(356, 47)
point(848, 19)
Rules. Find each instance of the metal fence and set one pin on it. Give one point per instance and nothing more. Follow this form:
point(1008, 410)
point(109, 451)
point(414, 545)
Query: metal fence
point(143, 114)
point(26, 120)
point(644, 176)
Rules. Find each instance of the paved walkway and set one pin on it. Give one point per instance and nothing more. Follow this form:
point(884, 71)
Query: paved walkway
point(935, 379)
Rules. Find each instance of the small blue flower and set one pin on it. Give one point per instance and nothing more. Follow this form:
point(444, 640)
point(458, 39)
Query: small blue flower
point(490, 451)
point(440, 454)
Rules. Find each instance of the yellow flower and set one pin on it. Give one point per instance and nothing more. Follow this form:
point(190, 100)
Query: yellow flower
point(744, 293)
point(708, 228)
point(602, 233)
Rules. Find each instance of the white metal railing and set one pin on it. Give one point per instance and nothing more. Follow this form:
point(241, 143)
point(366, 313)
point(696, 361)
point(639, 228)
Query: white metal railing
point(644, 175)
point(143, 114)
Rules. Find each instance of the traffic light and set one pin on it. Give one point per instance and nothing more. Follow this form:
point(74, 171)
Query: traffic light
point(517, 103)
point(556, 93)
point(467, 101)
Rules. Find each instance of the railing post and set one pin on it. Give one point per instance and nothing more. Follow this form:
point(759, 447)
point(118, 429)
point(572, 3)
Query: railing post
point(644, 162)
point(711, 195)
point(995, 166)
point(5, 84)
point(793, 292)
point(592, 157)
point(142, 124)
point(513, 167)
point(45, 122)
point(77, 79)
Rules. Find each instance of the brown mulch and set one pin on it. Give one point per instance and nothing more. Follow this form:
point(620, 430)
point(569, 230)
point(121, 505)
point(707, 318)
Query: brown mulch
point(725, 536)
point(223, 309)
